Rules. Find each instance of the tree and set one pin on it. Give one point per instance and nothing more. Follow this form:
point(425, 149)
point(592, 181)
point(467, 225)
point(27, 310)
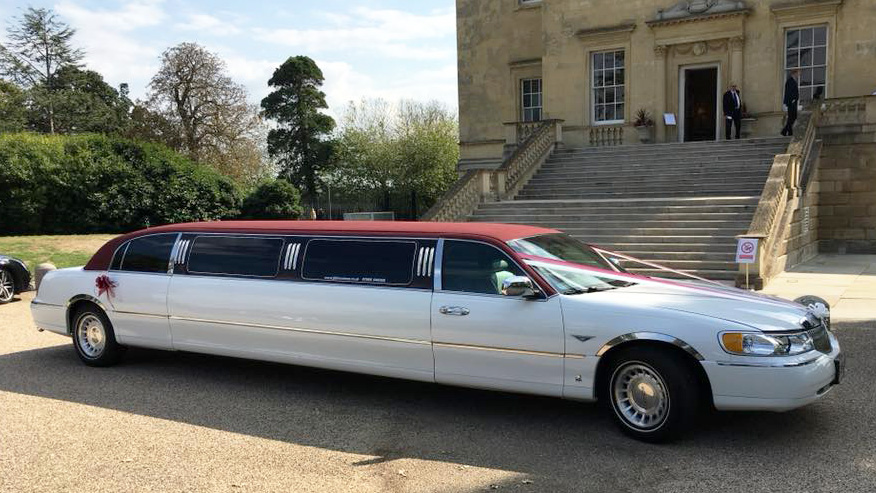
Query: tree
point(82, 101)
point(403, 152)
point(274, 199)
point(39, 46)
point(216, 125)
point(301, 142)
point(12, 109)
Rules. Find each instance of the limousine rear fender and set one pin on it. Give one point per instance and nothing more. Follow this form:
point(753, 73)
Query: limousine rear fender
point(75, 302)
point(685, 351)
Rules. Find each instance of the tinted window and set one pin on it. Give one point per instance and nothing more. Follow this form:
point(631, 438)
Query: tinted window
point(117, 258)
point(559, 247)
point(475, 268)
point(235, 256)
point(363, 261)
point(149, 253)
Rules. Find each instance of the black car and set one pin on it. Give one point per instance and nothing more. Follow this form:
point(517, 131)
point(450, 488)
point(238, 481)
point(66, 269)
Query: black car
point(14, 278)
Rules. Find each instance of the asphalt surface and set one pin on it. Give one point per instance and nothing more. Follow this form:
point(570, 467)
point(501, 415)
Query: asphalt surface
point(165, 421)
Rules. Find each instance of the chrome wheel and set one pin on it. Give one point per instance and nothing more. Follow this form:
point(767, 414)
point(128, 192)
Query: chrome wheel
point(91, 336)
point(7, 286)
point(641, 398)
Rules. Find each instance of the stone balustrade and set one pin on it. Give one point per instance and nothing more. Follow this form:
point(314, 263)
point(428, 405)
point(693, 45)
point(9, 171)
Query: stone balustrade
point(606, 135)
point(481, 185)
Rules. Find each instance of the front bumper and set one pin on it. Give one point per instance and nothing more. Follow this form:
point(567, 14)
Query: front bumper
point(772, 385)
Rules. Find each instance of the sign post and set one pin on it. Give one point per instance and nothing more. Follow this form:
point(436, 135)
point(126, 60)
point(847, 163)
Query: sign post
point(746, 253)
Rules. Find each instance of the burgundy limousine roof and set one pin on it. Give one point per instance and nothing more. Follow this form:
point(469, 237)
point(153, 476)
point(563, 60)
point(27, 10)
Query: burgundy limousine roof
point(489, 231)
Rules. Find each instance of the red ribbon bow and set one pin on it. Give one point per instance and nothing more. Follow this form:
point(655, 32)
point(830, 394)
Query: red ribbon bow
point(105, 285)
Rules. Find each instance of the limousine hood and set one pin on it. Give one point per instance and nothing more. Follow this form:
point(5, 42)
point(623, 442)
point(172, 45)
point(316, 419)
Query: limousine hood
point(757, 311)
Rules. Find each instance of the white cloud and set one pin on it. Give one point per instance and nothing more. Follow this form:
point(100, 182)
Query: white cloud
point(110, 46)
point(208, 24)
point(388, 33)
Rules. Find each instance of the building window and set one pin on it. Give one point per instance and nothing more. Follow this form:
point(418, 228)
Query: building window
point(530, 90)
point(608, 86)
point(806, 49)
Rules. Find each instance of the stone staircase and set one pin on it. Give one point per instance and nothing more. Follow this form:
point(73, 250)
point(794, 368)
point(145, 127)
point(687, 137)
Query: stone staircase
point(680, 205)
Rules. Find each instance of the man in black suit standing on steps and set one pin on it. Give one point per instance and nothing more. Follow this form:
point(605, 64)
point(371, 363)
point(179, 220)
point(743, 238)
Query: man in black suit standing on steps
point(792, 97)
point(732, 110)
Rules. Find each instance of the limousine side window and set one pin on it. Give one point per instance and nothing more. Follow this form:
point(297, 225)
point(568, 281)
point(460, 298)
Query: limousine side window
point(360, 261)
point(475, 268)
point(148, 253)
point(235, 256)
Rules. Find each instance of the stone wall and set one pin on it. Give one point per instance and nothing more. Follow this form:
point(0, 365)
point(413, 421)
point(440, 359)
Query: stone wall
point(847, 198)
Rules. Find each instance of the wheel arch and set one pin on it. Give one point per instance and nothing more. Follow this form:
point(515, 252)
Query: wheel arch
point(79, 301)
point(684, 351)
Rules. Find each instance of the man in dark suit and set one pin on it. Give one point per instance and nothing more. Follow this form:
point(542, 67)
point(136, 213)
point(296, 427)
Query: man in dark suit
point(792, 97)
point(732, 110)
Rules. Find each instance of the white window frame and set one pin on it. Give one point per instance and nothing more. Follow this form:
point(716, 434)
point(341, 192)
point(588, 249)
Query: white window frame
point(531, 107)
point(594, 88)
point(812, 65)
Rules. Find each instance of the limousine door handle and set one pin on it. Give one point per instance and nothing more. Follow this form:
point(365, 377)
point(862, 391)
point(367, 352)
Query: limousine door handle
point(454, 310)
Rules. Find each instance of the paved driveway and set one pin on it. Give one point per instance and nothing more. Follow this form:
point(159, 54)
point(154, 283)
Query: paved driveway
point(182, 422)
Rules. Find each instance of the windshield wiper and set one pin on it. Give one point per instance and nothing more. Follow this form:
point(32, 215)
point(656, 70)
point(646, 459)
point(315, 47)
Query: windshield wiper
point(591, 289)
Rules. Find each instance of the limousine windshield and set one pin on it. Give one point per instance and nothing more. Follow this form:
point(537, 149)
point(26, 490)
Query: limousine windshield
point(563, 247)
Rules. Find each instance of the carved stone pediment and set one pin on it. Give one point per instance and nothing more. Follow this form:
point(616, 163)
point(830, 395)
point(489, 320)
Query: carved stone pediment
point(694, 9)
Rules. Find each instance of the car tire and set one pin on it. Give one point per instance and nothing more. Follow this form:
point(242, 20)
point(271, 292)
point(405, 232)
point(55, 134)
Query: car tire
point(7, 285)
point(652, 394)
point(94, 338)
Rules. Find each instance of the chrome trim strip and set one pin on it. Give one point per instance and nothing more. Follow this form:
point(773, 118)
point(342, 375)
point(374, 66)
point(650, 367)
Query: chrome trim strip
point(766, 365)
point(439, 258)
point(575, 356)
point(429, 264)
point(43, 303)
point(295, 256)
point(420, 261)
point(649, 336)
point(498, 349)
point(139, 314)
point(288, 255)
point(299, 329)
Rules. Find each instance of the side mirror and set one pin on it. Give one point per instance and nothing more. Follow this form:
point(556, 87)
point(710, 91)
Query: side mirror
point(519, 286)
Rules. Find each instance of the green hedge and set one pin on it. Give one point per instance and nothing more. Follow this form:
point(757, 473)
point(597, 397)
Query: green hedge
point(96, 183)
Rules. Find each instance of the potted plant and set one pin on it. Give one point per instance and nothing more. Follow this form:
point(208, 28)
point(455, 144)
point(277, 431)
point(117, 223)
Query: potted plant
point(644, 125)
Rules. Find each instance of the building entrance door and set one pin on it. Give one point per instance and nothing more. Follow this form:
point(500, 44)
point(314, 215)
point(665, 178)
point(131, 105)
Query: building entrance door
point(699, 98)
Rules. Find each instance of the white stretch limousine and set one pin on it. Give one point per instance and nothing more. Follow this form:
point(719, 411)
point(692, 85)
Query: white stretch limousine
point(494, 306)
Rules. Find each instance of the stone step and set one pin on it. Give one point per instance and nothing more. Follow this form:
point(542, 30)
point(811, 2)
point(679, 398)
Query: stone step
point(622, 163)
point(521, 218)
point(723, 154)
point(586, 171)
point(676, 147)
point(686, 264)
point(602, 224)
point(614, 185)
point(664, 256)
point(712, 275)
point(620, 157)
point(703, 192)
point(658, 250)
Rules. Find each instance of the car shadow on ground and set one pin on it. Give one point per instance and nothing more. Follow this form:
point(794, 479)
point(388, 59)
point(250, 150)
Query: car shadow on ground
point(562, 443)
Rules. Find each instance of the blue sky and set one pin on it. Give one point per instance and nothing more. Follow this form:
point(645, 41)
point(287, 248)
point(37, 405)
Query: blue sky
point(390, 49)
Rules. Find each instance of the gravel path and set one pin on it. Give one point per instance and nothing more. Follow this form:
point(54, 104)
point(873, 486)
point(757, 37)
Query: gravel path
point(166, 421)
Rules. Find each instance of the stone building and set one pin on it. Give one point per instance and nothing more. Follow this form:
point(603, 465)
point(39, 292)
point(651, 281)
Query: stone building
point(595, 63)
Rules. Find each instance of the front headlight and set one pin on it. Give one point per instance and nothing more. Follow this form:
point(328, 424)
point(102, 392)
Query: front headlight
point(754, 344)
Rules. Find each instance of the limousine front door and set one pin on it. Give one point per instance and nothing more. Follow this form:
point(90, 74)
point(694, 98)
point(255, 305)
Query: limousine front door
point(484, 339)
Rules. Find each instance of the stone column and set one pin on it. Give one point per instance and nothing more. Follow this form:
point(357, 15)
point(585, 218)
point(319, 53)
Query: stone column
point(660, 87)
point(736, 46)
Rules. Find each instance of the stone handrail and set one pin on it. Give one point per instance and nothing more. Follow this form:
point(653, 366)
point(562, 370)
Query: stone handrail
point(606, 135)
point(481, 185)
point(784, 183)
point(459, 201)
point(527, 158)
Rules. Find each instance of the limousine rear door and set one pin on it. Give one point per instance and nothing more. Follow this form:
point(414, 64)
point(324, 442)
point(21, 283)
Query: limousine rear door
point(484, 339)
point(139, 301)
point(341, 303)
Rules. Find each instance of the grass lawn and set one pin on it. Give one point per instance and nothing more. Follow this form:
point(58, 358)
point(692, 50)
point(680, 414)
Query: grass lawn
point(62, 250)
